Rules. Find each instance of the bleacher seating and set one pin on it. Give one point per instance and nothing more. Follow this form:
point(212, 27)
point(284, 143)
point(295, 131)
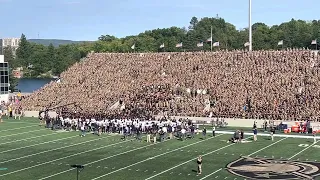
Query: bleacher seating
point(258, 84)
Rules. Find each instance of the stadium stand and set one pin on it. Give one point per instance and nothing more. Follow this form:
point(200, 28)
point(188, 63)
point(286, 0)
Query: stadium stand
point(259, 84)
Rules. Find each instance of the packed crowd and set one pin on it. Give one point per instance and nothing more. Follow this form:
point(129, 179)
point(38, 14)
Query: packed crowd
point(162, 128)
point(11, 109)
point(258, 84)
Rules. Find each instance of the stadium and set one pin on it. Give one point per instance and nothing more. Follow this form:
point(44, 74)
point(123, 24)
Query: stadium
point(142, 94)
point(175, 114)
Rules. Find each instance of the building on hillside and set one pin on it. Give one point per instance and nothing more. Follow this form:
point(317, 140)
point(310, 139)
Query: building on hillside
point(13, 42)
point(17, 73)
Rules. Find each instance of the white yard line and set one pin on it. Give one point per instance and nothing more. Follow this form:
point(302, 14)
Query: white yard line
point(211, 174)
point(302, 150)
point(268, 135)
point(102, 160)
point(42, 152)
point(19, 122)
point(65, 157)
point(9, 142)
point(23, 133)
point(9, 150)
point(97, 161)
point(191, 160)
point(18, 128)
point(248, 156)
point(153, 157)
point(267, 146)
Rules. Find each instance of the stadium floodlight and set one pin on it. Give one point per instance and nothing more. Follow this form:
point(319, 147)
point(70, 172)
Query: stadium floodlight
point(79, 169)
point(250, 27)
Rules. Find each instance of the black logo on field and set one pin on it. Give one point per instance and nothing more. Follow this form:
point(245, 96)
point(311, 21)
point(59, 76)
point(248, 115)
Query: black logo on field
point(261, 168)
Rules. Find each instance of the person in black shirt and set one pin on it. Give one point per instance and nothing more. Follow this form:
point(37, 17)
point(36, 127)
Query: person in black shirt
point(192, 131)
point(241, 135)
point(265, 125)
point(204, 132)
point(138, 131)
point(162, 133)
point(154, 132)
point(199, 162)
point(125, 133)
point(272, 132)
point(254, 125)
point(235, 137)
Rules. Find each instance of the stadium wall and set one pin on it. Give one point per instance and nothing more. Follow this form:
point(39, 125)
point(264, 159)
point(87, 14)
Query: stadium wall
point(36, 114)
point(4, 97)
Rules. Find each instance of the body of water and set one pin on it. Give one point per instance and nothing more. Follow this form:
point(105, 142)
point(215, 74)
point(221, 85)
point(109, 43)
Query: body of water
point(30, 85)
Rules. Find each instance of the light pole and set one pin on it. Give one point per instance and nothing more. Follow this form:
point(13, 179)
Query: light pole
point(250, 28)
point(79, 169)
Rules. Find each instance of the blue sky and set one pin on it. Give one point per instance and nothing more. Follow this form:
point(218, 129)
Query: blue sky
point(88, 19)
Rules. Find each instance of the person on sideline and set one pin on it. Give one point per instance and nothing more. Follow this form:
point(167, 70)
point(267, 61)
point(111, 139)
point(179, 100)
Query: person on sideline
point(1, 116)
point(255, 132)
point(204, 132)
point(83, 132)
point(199, 162)
point(17, 112)
point(272, 132)
point(214, 131)
point(10, 111)
point(149, 136)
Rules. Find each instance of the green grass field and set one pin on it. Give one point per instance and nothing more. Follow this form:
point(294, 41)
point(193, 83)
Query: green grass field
point(31, 152)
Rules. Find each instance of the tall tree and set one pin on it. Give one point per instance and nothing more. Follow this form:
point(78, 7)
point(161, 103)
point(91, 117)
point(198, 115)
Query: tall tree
point(23, 52)
point(38, 59)
point(193, 23)
point(107, 38)
point(51, 57)
point(8, 56)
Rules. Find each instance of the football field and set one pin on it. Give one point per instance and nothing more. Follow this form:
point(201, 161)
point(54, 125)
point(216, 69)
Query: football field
point(31, 152)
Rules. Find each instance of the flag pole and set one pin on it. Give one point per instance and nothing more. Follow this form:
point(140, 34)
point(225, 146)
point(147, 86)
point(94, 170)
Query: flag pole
point(211, 38)
point(250, 28)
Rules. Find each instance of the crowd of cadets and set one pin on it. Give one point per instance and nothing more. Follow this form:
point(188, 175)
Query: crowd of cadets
point(164, 128)
point(10, 109)
point(232, 84)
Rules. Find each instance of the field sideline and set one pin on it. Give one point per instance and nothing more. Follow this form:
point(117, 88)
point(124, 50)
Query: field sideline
point(29, 151)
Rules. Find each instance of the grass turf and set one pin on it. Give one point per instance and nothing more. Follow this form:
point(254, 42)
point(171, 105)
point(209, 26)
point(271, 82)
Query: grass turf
point(29, 151)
